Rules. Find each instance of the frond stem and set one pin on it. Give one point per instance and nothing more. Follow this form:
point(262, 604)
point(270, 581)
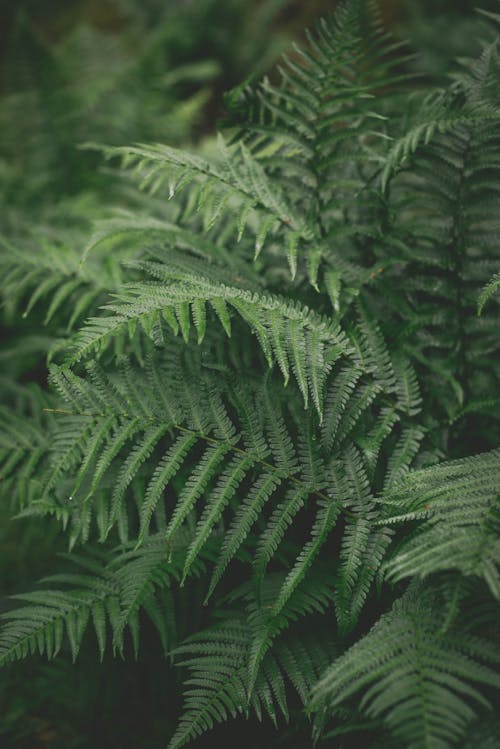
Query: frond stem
point(213, 441)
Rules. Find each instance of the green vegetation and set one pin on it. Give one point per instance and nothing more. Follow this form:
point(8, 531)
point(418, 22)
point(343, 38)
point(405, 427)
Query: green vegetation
point(249, 420)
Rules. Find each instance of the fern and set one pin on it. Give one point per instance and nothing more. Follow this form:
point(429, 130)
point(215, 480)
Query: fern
point(459, 504)
point(445, 235)
point(107, 590)
point(413, 676)
point(270, 392)
point(216, 688)
point(488, 291)
point(288, 334)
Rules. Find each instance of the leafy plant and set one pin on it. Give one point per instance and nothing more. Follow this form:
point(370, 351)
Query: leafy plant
point(271, 413)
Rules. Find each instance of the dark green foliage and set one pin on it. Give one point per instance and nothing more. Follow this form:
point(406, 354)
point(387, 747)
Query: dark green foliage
point(273, 383)
point(422, 680)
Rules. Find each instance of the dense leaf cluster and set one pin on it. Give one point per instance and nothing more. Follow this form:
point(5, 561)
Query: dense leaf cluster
point(266, 374)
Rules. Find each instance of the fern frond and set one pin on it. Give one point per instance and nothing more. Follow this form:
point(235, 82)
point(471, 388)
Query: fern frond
point(458, 503)
point(122, 425)
point(445, 235)
point(49, 272)
point(109, 589)
point(491, 288)
point(440, 113)
point(418, 680)
point(238, 183)
point(40, 626)
point(23, 448)
point(216, 685)
point(282, 601)
point(293, 336)
point(246, 515)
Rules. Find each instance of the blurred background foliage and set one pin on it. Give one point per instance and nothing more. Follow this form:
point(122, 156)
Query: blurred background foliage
point(115, 72)
point(118, 71)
